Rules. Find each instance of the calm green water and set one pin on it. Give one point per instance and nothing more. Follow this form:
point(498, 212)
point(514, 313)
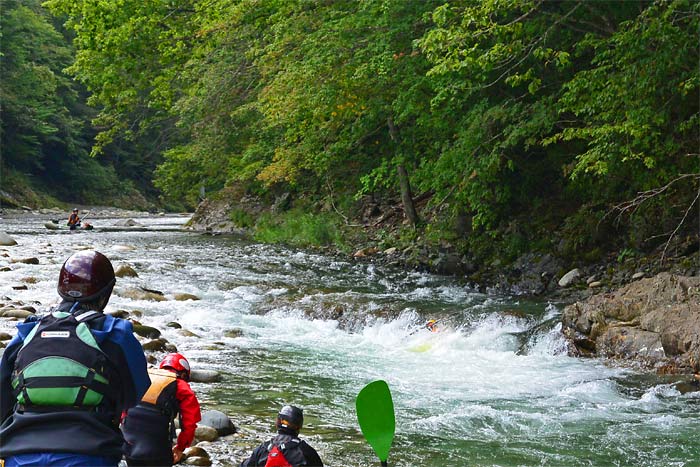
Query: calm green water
point(472, 394)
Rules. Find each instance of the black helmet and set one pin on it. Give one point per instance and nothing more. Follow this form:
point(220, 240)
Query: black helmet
point(85, 277)
point(75, 209)
point(290, 417)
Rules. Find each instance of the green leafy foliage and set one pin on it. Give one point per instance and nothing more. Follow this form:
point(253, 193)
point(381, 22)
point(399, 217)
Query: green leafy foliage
point(298, 228)
point(517, 115)
point(45, 135)
point(637, 107)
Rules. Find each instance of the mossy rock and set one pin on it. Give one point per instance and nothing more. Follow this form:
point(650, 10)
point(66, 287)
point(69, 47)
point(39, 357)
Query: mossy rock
point(146, 331)
point(155, 345)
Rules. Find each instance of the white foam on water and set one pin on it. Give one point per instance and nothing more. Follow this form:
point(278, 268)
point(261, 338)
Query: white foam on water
point(472, 380)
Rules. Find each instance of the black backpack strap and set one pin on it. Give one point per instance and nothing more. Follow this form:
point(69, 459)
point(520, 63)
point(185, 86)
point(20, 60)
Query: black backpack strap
point(285, 443)
point(89, 383)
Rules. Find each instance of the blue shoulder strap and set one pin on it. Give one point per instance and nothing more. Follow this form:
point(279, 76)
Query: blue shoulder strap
point(121, 332)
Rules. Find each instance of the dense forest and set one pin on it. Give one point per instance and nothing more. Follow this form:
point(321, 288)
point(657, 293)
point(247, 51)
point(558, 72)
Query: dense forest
point(47, 132)
point(492, 124)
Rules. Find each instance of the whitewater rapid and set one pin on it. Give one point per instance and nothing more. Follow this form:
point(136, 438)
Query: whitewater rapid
point(285, 326)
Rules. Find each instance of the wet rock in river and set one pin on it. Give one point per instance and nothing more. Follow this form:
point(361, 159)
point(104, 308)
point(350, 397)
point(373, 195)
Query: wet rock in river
point(233, 333)
point(187, 333)
point(15, 313)
point(205, 433)
point(203, 461)
point(146, 331)
point(196, 451)
point(122, 314)
point(139, 294)
point(219, 421)
point(127, 223)
point(154, 345)
point(6, 240)
point(33, 260)
point(204, 376)
point(125, 270)
point(181, 297)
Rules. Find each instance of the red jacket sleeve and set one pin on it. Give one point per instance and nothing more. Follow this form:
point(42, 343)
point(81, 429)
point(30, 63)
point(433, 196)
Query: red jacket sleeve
point(189, 414)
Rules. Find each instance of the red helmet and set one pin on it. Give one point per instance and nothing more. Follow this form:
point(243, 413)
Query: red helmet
point(178, 363)
point(85, 277)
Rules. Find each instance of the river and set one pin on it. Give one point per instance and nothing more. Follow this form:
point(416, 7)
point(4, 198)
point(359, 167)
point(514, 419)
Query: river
point(315, 329)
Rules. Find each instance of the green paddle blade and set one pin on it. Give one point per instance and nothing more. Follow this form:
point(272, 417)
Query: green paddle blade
point(375, 414)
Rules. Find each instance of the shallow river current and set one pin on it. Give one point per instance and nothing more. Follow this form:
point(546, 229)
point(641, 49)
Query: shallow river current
point(493, 387)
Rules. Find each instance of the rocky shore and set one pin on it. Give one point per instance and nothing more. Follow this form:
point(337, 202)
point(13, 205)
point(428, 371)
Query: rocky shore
point(625, 312)
point(216, 433)
point(631, 309)
point(217, 439)
point(654, 322)
point(639, 310)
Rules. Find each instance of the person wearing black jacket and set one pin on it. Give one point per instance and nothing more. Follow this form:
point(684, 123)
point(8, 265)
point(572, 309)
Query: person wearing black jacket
point(286, 448)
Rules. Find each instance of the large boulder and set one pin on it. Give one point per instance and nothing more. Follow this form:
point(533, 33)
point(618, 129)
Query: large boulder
point(570, 278)
point(532, 274)
point(214, 213)
point(204, 376)
point(654, 321)
point(6, 240)
point(219, 421)
point(206, 433)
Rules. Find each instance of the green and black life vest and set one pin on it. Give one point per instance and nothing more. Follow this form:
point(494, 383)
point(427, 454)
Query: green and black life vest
point(60, 364)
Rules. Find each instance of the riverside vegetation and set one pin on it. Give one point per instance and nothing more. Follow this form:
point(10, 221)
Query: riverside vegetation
point(507, 141)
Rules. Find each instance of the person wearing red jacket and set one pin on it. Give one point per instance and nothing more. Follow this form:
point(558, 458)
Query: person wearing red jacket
point(149, 427)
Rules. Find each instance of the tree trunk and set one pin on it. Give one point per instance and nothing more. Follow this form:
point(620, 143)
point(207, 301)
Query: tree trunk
point(406, 196)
